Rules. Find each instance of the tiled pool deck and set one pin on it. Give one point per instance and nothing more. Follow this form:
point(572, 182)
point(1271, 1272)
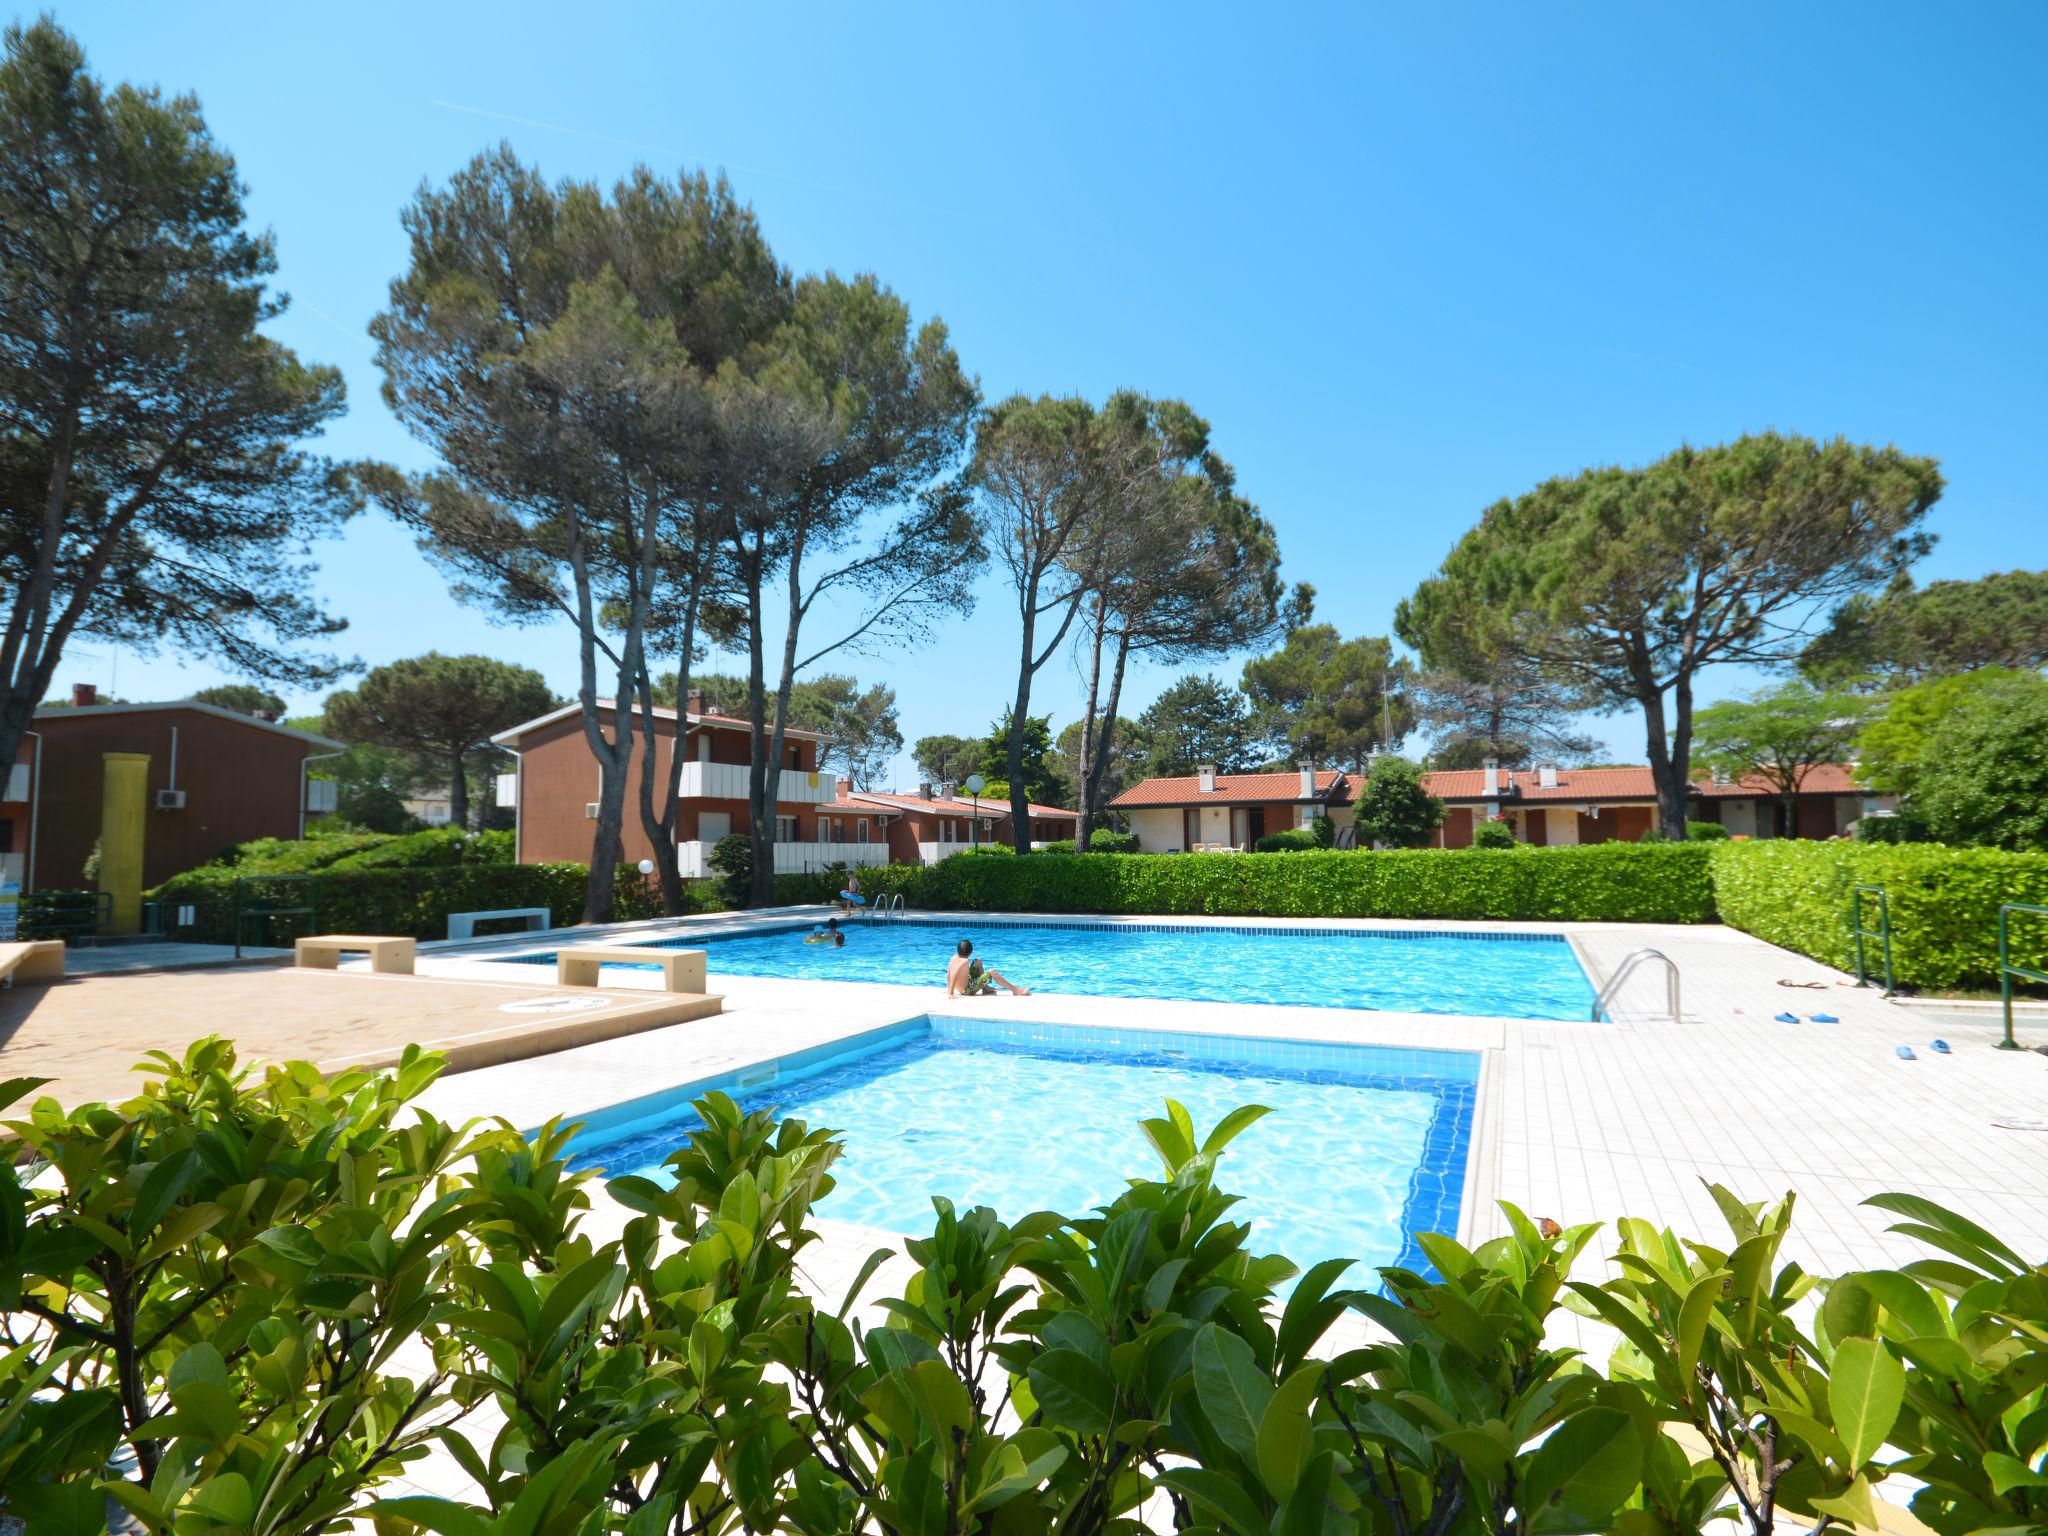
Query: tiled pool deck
point(1574, 1120)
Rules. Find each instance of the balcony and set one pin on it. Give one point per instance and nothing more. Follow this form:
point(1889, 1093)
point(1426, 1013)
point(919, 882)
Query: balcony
point(693, 858)
point(728, 781)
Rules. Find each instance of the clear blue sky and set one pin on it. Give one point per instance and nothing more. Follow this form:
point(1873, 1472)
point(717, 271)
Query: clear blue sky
point(1406, 259)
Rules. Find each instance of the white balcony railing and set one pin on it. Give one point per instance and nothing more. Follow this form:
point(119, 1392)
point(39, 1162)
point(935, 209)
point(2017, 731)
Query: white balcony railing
point(693, 858)
point(728, 781)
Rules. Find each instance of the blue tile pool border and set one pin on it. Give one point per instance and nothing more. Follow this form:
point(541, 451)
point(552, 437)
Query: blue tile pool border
point(1436, 1188)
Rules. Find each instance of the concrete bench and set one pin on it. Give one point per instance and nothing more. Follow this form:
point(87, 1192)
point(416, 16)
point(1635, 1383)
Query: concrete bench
point(33, 960)
point(324, 951)
point(462, 925)
point(682, 970)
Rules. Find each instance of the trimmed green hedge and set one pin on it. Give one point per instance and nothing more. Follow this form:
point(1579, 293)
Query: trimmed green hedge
point(1944, 904)
point(1606, 882)
point(412, 903)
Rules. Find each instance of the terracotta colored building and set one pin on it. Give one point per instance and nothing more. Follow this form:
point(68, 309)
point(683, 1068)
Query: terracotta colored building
point(554, 791)
point(936, 823)
point(215, 777)
point(1214, 810)
point(1554, 807)
point(1543, 806)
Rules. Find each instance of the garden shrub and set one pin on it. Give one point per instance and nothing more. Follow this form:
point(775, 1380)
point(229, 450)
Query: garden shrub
point(1321, 828)
point(408, 903)
point(274, 1294)
point(1293, 840)
point(1103, 840)
point(1705, 832)
point(732, 860)
point(1601, 882)
point(1899, 827)
point(1944, 903)
point(1493, 834)
point(351, 848)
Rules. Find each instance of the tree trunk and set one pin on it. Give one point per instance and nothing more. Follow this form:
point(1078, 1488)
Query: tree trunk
point(1020, 797)
point(1105, 737)
point(661, 829)
point(1672, 798)
point(763, 894)
point(760, 806)
point(458, 789)
point(1084, 829)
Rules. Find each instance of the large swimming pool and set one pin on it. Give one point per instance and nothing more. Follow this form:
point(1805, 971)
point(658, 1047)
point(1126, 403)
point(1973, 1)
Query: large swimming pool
point(1366, 1146)
point(1524, 976)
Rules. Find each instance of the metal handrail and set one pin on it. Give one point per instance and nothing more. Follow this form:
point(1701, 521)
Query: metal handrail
point(2007, 970)
point(1621, 974)
point(1882, 931)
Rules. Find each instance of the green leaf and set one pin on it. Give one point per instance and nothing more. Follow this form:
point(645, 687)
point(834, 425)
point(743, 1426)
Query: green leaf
point(1694, 1313)
point(1866, 1385)
point(1286, 1439)
point(1478, 1452)
point(2009, 1472)
point(1853, 1505)
point(443, 1516)
point(1072, 1391)
point(1220, 1495)
point(295, 1243)
point(1580, 1475)
point(13, 1088)
point(1231, 1388)
point(61, 1509)
point(1942, 1219)
point(1230, 1125)
point(224, 1500)
point(160, 1191)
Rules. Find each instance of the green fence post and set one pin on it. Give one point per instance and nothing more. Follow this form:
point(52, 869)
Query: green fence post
point(1883, 931)
point(2007, 970)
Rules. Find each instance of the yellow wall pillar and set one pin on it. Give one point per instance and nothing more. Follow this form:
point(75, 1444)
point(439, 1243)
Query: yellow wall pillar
point(124, 818)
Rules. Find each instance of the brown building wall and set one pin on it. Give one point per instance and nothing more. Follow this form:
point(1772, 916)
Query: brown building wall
point(558, 777)
point(240, 782)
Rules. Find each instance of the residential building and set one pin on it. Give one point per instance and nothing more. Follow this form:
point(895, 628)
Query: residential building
point(1557, 807)
point(553, 792)
point(1544, 806)
point(1230, 810)
point(938, 821)
point(215, 777)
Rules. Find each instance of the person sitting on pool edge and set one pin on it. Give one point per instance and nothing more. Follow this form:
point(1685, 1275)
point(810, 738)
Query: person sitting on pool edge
point(970, 978)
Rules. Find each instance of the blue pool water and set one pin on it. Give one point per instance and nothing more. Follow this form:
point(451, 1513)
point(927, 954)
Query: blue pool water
point(1524, 976)
point(1366, 1145)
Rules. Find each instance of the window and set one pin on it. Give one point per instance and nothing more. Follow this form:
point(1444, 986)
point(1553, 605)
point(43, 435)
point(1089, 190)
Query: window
point(703, 746)
point(838, 829)
point(785, 829)
point(860, 829)
point(795, 754)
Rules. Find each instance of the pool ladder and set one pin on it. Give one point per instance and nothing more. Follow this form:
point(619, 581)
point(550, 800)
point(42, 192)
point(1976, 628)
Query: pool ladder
point(886, 907)
point(1625, 969)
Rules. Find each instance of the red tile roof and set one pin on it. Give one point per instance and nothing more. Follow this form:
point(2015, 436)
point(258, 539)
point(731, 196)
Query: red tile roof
point(1820, 779)
point(1610, 784)
point(960, 805)
point(1231, 789)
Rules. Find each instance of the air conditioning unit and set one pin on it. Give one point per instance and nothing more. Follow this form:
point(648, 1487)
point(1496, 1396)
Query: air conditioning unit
point(590, 810)
point(170, 799)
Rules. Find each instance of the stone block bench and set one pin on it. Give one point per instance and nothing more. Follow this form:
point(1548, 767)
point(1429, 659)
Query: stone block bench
point(323, 951)
point(33, 960)
point(462, 925)
point(682, 970)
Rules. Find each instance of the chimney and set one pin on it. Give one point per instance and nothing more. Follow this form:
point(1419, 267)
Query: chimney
point(1546, 775)
point(1205, 778)
point(946, 791)
point(924, 790)
point(693, 702)
point(84, 695)
point(1308, 783)
point(268, 716)
point(842, 787)
point(1491, 783)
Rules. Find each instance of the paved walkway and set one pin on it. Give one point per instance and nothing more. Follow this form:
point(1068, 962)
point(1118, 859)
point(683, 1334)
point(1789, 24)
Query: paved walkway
point(112, 959)
point(1578, 1121)
point(87, 1033)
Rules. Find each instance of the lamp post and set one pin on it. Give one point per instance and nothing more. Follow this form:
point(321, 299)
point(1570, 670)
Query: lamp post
point(974, 786)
